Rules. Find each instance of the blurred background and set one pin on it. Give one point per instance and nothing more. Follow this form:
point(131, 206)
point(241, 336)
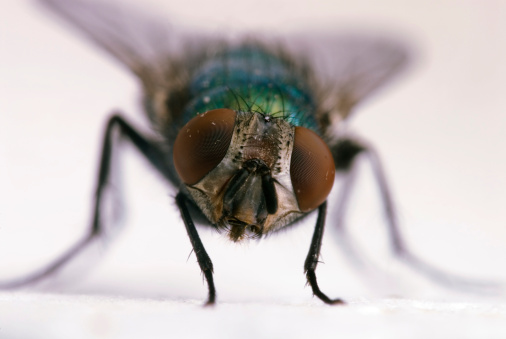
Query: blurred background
point(439, 128)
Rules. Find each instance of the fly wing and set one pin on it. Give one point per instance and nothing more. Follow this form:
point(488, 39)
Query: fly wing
point(148, 46)
point(131, 40)
point(347, 68)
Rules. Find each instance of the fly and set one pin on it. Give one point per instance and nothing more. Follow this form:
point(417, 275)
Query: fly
point(252, 130)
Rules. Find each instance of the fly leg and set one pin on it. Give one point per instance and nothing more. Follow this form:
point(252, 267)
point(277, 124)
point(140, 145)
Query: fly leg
point(147, 147)
point(205, 263)
point(402, 251)
point(313, 255)
point(345, 153)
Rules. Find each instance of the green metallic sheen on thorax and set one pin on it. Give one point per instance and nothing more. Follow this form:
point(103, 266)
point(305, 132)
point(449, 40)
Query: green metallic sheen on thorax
point(250, 79)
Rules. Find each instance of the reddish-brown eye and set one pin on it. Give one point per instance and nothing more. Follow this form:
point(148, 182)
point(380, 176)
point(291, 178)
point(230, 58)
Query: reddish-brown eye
point(202, 143)
point(312, 169)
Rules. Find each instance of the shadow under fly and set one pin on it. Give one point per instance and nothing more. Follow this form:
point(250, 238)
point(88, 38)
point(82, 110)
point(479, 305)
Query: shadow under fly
point(250, 130)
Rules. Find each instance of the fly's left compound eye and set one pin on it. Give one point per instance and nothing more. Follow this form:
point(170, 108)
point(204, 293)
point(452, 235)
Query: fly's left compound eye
point(202, 143)
point(312, 169)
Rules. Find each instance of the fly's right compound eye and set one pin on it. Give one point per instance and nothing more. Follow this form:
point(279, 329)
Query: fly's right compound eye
point(312, 169)
point(202, 143)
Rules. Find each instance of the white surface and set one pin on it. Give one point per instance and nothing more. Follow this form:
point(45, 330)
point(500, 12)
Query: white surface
point(439, 129)
point(85, 317)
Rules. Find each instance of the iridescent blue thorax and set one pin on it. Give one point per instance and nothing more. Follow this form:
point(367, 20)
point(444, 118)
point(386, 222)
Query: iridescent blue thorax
point(250, 79)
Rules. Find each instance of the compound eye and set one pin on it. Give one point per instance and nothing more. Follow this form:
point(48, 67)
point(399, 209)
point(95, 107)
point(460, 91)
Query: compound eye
point(312, 169)
point(202, 143)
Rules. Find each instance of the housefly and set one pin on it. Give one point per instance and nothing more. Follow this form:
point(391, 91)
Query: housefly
point(251, 131)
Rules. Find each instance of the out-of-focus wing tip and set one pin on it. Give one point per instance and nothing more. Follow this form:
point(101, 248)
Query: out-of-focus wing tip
point(349, 67)
point(136, 40)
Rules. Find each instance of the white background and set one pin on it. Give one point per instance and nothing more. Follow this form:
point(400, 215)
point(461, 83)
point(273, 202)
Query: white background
point(439, 128)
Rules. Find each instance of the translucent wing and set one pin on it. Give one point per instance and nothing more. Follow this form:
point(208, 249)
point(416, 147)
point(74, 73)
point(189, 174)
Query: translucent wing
point(343, 69)
point(107, 26)
point(140, 41)
point(149, 46)
point(347, 68)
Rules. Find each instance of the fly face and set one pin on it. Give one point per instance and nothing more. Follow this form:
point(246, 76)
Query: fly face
point(251, 173)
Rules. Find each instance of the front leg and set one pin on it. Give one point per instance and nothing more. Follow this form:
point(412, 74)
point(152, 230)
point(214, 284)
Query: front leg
point(313, 255)
point(205, 263)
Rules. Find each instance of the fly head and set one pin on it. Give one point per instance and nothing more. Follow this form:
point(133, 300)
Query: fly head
point(250, 173)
